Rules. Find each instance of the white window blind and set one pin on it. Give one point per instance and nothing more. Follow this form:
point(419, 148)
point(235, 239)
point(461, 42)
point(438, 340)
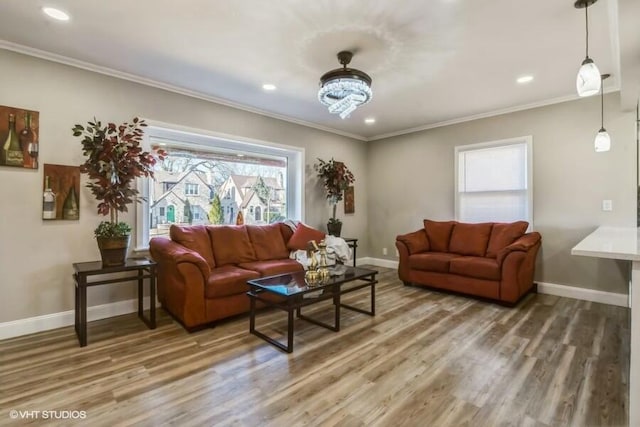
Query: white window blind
point(493, 181)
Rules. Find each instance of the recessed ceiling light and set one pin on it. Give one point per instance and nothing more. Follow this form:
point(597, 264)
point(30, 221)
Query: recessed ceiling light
point(370, 120)
point(269, 86)
point(240, 155)
point(56, 13)
point(524, 79)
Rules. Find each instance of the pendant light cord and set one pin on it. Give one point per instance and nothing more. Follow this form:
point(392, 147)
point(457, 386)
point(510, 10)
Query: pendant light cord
point(602, 104)
point(586, 22)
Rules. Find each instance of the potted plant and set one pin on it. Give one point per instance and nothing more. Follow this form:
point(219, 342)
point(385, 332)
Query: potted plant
point(114, 160)
point(336, 177)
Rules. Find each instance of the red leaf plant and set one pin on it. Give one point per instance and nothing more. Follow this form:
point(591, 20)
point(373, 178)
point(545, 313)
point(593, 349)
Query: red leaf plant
point(115, 158)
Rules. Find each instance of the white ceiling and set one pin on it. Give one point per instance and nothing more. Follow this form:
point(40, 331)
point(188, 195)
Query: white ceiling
point(432, 61)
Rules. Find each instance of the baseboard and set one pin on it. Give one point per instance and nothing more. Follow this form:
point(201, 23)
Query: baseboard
point(585, 294)
point(603, 297)
point(388, 263)
point(66, 318)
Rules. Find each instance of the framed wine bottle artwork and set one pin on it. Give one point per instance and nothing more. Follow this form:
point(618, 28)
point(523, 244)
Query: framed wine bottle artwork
point(61, 192)
point(19, 137)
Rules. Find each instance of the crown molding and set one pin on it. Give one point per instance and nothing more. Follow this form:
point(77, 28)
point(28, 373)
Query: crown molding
point(4, 44)
point(489, 114)
point(65, 60)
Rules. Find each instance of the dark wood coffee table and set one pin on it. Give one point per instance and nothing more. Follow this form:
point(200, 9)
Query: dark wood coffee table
point(290, 292)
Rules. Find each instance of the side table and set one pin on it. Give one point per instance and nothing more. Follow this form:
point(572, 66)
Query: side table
point(353, 244)
point(142, 268)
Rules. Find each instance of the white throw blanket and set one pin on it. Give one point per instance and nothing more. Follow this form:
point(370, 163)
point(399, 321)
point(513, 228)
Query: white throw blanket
point(337, 250)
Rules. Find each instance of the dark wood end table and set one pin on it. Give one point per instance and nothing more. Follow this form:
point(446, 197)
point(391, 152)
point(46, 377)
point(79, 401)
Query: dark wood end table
point(353, 244)
point(143, 268)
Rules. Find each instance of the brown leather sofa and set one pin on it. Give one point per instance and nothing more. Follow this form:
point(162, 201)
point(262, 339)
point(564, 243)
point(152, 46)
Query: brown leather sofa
point(203, 270)
point(489, 260)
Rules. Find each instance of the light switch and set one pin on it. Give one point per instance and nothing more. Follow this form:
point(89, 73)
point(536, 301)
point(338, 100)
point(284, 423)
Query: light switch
point(607, 205)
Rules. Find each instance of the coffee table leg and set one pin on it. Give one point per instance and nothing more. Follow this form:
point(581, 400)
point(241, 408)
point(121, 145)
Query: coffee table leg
point(252, 314)
point(290, 331)
point(373, 299)
point(336, 303)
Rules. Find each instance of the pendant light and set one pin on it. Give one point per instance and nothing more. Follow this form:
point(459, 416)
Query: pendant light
point(603, 140)
point(588, 81)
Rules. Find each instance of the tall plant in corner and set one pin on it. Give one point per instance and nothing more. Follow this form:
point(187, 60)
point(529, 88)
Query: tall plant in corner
point(115, 158)
point(336, 178)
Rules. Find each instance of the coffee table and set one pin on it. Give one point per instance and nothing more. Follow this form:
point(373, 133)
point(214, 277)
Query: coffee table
point(290, 292)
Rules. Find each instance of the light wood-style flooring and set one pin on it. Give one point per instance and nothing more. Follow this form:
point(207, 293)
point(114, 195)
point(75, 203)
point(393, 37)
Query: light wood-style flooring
point(425, 359)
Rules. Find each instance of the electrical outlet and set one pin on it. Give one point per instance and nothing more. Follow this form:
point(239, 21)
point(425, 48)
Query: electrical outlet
point(384, 251)
point(607, 205)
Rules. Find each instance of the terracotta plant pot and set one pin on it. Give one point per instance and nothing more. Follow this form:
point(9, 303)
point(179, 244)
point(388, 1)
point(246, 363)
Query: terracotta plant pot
point(113, 250)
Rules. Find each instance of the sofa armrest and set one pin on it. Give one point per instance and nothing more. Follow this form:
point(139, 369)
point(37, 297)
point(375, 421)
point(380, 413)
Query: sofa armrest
point(167, 251)
point(415, 242)
point(182, 276)
point(523, 244)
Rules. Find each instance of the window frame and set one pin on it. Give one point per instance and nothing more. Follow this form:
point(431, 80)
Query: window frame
point(527, 140)
point(193, 138)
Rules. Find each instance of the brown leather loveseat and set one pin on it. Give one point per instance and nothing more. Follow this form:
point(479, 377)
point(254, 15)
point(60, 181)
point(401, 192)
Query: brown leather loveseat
point(203, 270)
point(489, 260)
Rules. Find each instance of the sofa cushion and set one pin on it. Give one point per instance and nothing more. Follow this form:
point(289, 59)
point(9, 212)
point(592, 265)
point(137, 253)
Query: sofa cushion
point(273, 267)
point(302, 236)
point(416, 242)
point(470, 239)
point(504, 234)
point(478, 267)
point(196, 238)
point(228, 280)
point(432, 261)
point(439, 233)
point(267, 241)
point(231, 244)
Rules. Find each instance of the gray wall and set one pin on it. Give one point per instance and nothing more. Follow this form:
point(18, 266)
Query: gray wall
point(412, 177)
point(36, 256)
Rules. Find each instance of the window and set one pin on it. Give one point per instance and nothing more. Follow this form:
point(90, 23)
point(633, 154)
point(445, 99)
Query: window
point(166, 186)
point(224, 166)
point(494, 181)
point(161, 213)
point(191, 189)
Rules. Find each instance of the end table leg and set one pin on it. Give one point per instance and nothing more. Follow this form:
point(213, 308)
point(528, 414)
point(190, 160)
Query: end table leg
point(140, 294)
point(152, 297)
point(82, 289)
point(373, 299)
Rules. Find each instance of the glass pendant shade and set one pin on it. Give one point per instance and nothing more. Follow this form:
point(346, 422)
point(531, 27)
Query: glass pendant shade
point(603, 141)
point(588, 81)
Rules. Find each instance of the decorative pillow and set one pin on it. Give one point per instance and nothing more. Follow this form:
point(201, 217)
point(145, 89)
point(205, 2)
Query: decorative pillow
point(470, 239)
point(504, 234)
point(416, 242)
point(439, 233)
point(267, 242)
point(302, 236)
point(231, 244)
point(195, 238)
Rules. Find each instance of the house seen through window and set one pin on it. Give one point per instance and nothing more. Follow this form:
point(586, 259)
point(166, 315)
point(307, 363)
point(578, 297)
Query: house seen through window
point(206, 180)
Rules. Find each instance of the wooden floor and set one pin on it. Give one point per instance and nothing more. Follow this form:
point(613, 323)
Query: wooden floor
point(425, 359)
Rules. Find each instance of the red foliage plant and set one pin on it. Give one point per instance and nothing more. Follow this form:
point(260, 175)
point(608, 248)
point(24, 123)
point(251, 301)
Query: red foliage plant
point(115, 158)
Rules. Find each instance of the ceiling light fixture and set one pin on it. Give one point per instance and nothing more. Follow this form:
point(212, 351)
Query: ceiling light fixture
point(603, 140)
point(369, 120)
point(56, 13)
point(524, 79)
point(269, 86)
point(588, 81)
point(344, 89)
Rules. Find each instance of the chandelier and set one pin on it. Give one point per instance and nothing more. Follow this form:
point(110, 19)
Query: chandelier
point(344, 89)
